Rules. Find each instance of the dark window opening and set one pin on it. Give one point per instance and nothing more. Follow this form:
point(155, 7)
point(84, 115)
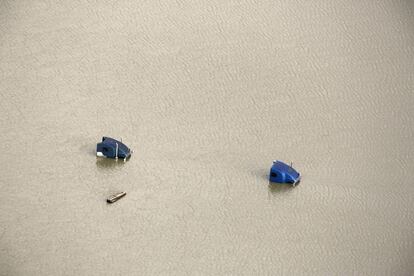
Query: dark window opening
point(104, 149)
point(273, 174)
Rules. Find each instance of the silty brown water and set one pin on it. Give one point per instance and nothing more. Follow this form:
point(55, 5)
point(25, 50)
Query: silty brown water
point(207, 94)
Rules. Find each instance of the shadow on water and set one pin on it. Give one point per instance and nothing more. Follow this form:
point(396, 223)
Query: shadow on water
point(263, 174)
point(91, 151)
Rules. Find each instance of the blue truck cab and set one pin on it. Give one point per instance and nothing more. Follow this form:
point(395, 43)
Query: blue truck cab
point(283, 173)
point(112, 148)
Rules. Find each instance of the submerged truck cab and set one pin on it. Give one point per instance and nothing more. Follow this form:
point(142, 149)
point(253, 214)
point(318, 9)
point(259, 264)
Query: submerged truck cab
point(112, 148)
point(283, 173)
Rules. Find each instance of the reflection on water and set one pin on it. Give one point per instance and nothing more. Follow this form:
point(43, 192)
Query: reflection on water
point(109, 163)
point(278, 188)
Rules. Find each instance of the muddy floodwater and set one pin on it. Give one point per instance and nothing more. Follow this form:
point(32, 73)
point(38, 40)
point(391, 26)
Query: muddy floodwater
point(207, 94)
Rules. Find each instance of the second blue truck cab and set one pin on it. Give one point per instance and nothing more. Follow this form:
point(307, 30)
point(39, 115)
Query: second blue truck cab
point(283, 173)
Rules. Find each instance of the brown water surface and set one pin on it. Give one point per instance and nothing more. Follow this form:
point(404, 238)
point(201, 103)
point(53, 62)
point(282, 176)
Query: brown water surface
point(207, 93)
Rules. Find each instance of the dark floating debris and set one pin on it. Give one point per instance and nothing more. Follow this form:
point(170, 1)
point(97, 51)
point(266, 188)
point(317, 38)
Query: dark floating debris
point(284, 173)
point(112, 148)
point(115, 198)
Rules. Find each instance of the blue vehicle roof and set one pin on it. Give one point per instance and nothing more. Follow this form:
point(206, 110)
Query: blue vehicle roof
point(283, 173)
point(282, 167)
point(113, 142)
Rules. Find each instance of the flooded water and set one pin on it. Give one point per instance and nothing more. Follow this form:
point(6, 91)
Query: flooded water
point(207, 94)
